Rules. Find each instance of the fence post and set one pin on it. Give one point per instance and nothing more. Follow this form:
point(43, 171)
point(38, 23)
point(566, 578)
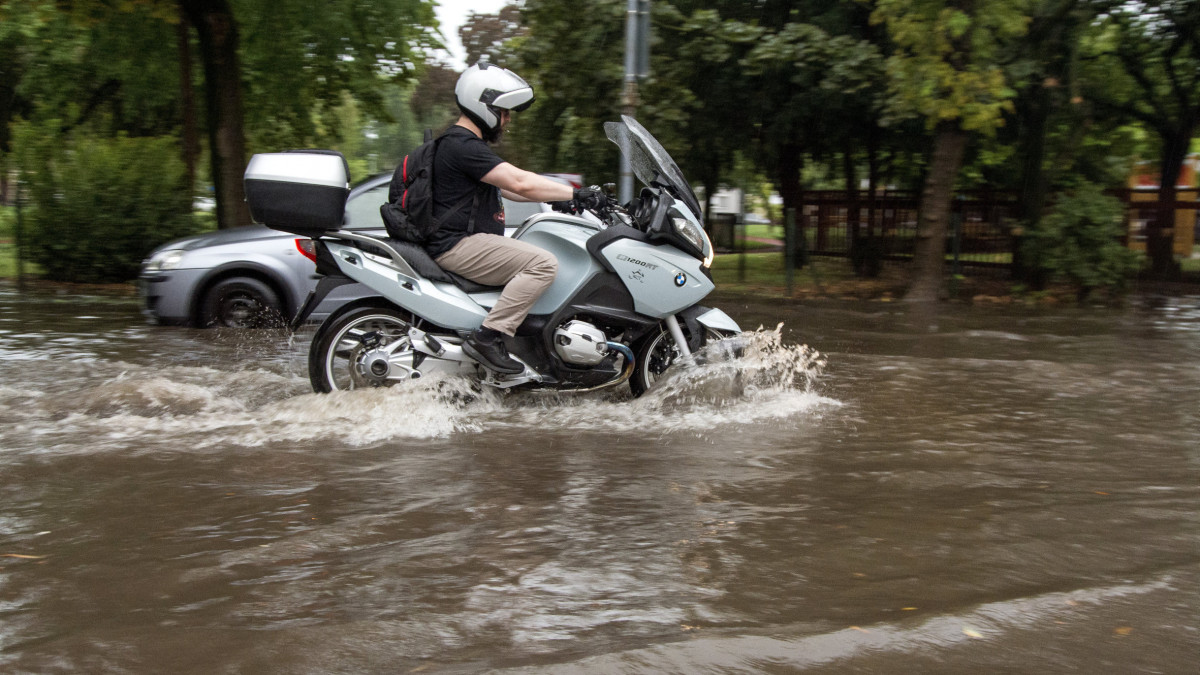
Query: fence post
point(789, 250)
point(741, 244)
point(19, 240)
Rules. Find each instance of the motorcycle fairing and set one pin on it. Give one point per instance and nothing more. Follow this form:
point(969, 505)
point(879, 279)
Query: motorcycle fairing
point(719, 321)
point(662, 279)
point(443, 303)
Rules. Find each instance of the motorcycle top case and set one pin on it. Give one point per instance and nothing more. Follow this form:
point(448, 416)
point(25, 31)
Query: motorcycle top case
point(303, 191)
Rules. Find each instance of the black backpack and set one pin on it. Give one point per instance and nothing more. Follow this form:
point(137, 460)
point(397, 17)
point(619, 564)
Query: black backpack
point(408, 213)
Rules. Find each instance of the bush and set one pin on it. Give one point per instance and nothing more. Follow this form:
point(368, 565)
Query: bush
point(99, 206)
point(1079, 242)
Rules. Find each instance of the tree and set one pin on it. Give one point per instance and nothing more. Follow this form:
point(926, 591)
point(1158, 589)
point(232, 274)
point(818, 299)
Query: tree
point(218, 34)
point(577, 76)
point(113, 72)
point(945, 69)
point(1045, 56)
point(301, 58)
point(275, 72)
point(820, 83)
point(483, 35)
point(15, 27)
point(433, 97)
point(702, 59)
point(1152, 50)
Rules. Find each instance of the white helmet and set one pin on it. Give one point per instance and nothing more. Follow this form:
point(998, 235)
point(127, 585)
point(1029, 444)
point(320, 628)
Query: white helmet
point(483, 90)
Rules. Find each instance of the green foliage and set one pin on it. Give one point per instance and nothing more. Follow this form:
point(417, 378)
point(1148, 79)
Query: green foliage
point(300, 58)
point(576, 74)
point(81, 63)
point(945, 67)
point(1079, 241)
point(99, 206)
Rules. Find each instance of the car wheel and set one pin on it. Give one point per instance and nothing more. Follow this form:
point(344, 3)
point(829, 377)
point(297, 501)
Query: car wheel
point(241, 302)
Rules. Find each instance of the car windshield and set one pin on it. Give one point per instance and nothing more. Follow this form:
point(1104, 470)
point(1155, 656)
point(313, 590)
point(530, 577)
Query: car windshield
point(362, 210)
point(649, 160)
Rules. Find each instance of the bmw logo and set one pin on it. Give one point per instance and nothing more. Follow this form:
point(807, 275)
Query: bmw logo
point(680, 279)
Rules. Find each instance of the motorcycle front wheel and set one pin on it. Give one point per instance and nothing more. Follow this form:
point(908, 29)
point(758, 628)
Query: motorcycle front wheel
point(360, 348)
point(655, 353)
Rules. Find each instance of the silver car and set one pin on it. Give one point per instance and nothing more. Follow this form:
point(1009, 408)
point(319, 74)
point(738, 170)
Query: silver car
point(254, 276)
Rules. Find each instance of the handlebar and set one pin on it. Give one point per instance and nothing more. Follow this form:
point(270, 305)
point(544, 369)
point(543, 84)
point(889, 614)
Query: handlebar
point(610, 213)
point(613, 213)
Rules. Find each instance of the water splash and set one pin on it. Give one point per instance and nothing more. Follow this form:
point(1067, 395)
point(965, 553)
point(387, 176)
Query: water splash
point(744, 379)
point(741, 380)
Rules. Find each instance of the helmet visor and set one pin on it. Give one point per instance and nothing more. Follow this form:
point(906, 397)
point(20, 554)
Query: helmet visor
point(516, 101)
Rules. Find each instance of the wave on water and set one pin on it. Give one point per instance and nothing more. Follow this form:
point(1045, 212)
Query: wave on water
point(744, 379)
point(876, 648)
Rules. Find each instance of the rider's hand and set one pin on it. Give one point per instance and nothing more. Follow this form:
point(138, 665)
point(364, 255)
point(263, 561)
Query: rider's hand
point(564, 207)
point(590, 198)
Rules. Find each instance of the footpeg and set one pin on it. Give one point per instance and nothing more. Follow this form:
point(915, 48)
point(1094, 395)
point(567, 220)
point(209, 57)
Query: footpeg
point(434, 346)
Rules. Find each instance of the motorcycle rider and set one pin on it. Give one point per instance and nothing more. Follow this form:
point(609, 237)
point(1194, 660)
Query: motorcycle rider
point(486, 96)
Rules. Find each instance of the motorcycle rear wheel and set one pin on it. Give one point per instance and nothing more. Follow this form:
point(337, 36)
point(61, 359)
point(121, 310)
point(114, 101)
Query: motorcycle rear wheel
point(351, 348)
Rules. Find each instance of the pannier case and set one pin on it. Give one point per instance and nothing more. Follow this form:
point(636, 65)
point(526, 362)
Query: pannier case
point(303, 192)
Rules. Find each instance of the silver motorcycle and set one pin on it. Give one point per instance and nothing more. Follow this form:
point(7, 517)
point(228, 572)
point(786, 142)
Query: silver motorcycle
point(623, 307)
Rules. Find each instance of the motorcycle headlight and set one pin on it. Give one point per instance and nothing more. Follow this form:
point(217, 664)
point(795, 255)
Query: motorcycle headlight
point(164, 260)
point(695, 235)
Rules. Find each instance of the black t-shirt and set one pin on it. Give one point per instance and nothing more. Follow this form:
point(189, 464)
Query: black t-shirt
point(462, 160)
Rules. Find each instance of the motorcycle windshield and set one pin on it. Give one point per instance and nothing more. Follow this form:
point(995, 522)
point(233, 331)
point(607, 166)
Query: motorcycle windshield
point(649, 159)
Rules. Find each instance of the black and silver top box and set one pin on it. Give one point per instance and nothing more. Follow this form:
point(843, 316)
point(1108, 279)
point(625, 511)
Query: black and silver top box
point(303, 192)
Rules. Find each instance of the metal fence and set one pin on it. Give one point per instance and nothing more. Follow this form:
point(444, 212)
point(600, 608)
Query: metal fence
point(982, 232)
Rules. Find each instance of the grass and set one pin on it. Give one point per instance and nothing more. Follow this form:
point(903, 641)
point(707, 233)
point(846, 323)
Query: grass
point(8, 246)
point(765, 231)
point(1192, 265)
point(765, 274)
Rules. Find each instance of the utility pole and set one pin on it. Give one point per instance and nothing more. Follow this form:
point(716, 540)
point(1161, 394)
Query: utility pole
point(637, 65)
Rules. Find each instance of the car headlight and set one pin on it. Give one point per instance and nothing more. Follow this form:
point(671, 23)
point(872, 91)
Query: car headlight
point(164, 260)
point(695, 235)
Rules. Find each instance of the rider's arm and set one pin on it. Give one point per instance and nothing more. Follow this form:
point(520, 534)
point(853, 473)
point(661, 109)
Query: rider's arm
point(522, 185)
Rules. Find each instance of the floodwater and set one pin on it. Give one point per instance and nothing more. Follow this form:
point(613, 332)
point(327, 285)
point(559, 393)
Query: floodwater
point(1002, 490)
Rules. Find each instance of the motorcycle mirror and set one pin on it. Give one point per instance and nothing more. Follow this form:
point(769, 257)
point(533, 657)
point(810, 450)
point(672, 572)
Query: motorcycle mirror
point(610, 189)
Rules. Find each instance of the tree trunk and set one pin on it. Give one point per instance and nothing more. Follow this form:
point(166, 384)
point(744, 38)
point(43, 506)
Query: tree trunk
point(190, 143)
point(872, 178)
point(853, 210)
point(1160, 236)
point(929, 254)
point(217, 30)
point(790, 165)
point(1035, 113)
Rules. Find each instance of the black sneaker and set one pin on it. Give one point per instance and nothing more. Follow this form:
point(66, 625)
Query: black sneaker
point(492, 355)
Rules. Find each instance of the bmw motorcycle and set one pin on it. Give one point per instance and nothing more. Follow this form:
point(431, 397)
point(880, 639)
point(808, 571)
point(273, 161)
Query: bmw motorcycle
point(624, 306)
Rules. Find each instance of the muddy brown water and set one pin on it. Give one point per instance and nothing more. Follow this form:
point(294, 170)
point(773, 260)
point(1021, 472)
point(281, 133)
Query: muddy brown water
point(978, 490)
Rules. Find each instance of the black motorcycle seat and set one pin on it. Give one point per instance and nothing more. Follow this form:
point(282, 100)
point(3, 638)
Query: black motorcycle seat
point(424, 265)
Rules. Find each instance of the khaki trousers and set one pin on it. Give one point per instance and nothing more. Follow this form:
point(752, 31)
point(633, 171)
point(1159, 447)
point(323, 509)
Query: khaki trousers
point(524, 270)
